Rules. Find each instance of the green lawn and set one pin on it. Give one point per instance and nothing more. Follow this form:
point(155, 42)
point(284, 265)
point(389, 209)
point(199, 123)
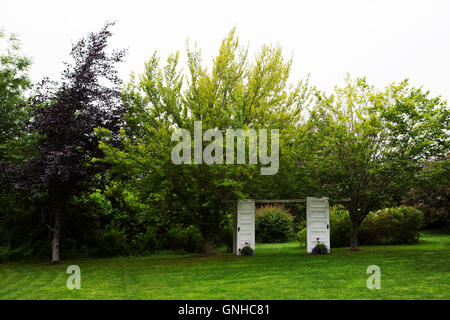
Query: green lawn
point(277, 271)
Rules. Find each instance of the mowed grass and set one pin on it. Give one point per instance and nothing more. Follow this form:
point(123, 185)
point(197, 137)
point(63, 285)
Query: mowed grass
point(277, 271)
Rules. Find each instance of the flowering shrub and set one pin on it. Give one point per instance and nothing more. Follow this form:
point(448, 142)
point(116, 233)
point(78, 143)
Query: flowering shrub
point(246, 250)
point(320, 248)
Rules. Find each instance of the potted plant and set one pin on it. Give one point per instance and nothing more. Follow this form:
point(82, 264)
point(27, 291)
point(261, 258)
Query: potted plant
point(246, 250)
point(320, 248)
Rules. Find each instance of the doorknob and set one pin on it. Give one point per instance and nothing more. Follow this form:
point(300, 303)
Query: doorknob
point(239, 229)
point(328, 226)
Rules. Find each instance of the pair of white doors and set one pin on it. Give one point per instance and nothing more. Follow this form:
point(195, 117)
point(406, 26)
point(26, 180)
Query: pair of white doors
point(317, 223)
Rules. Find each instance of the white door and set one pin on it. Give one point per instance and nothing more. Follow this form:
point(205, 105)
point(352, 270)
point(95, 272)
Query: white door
point(317, 222)
point(245, 224)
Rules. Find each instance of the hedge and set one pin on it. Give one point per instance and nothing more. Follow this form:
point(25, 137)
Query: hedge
point(396, 225)
point(273, 224)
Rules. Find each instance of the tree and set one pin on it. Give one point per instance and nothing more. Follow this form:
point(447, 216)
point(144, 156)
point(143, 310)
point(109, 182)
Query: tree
point(366, 146)
point(14, 82)
point(235, 94)
point(15, 144)
point(431, 192)
point(65, 115)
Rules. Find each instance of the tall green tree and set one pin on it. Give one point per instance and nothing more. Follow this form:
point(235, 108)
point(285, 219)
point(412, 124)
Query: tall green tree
point(236, 93)
point(14, 83)
point(365, 146)
point(15, 143)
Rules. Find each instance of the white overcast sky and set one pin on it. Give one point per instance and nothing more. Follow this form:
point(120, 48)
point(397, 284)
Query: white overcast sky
point(384, 40)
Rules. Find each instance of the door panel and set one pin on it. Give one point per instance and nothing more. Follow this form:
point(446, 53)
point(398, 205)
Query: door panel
point(317, 222)
point(245, 223)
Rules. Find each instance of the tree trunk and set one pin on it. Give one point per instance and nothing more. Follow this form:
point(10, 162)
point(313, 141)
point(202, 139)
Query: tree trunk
point(208, 244)
point(354, 237)
point(56, 234)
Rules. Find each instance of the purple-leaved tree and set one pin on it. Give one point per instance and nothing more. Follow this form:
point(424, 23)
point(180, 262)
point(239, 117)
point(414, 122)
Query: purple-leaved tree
point(65, 115)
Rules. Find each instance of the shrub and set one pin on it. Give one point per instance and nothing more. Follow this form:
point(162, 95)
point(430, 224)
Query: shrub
point(226, 237)
point(18, 254)
point(146, 243)
point(22, 234)
point(188, 239)
point(273, 224)
point(192, 239)
point(112, 242)
point(434, 204)
point(246, 250)
point(340, 227)
point(432, 194)
point(435, 217)
point(301, 237)
point(320, 248)
point(4, 254)
point(397, 225)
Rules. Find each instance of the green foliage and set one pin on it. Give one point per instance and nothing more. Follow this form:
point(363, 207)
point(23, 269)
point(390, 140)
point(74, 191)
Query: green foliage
point(86, 216)
point(397, 225)
point(22, 233)
point(247, 251)
point(364, 146)
point(14, 84)
point(226, 234)
point(117, 215)
point(188, 239)
point(320, 248)
point(431, 194)
point(95, 203)
point(148, 242)
point(236, 93)
point(112, 243)
point(273, 224)
point(226, 238)
point(18, 254)
point(340, 227)
point(301, 237)
point(176, 237)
